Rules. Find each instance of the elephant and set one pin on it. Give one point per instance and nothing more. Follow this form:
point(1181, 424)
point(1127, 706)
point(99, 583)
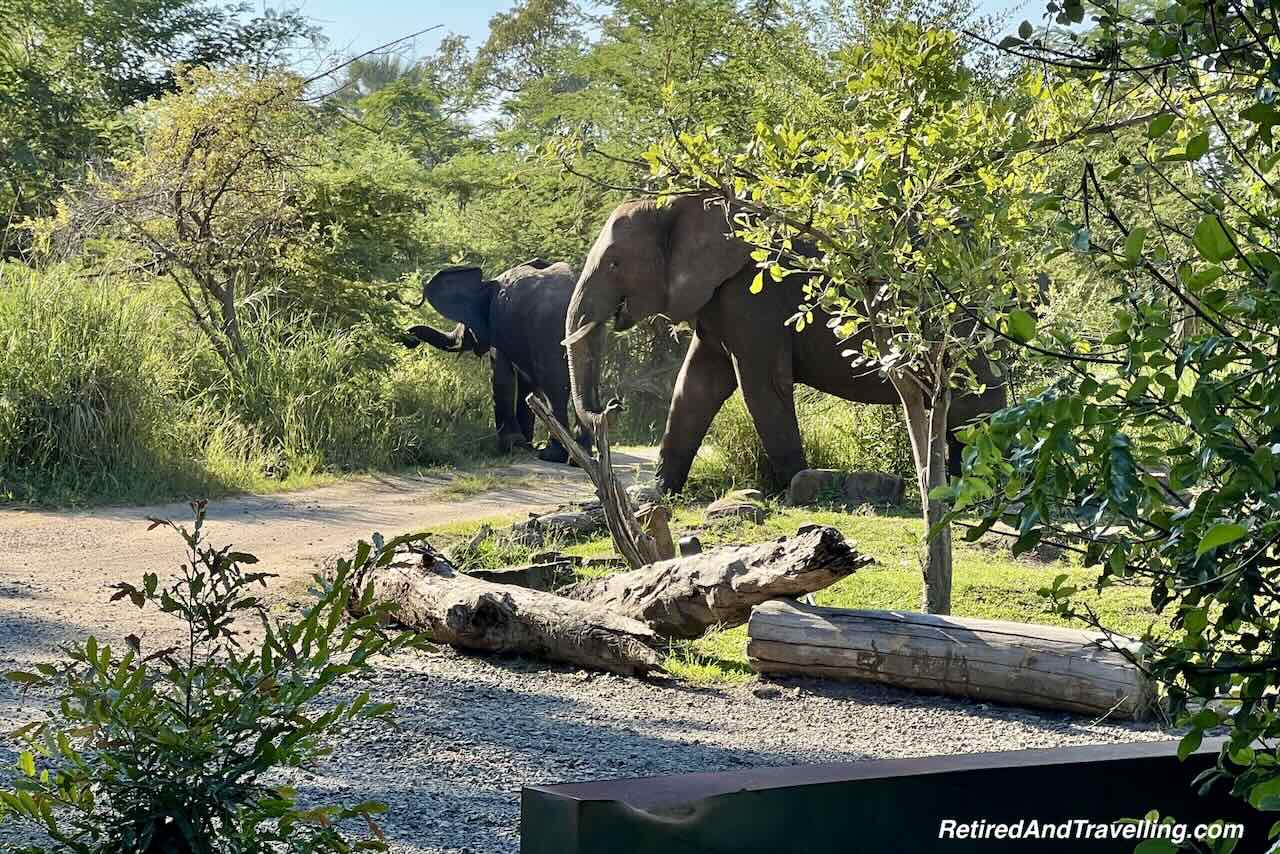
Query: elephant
point(681, 260)
point(520, 316)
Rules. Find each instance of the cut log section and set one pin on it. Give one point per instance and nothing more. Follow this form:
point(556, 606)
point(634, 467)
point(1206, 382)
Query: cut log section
point(685, 596)
point(449, 607)
point(1017, 663)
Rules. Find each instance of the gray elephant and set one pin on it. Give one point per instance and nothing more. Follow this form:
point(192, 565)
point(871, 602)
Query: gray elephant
point(520, 316)
point(681, 260)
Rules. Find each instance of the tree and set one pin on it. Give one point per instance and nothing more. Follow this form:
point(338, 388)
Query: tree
point(68, 70)
point(907, 189)
point(1156, 453)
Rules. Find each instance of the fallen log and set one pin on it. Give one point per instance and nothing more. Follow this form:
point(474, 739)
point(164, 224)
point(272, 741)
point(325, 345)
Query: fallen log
point(685, 596)
point(450, 607)
point(1017, 663)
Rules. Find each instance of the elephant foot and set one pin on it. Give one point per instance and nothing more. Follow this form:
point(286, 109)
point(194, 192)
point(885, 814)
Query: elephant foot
point(553, 453)
point(508, 443)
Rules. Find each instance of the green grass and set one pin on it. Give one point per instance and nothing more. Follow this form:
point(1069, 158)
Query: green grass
point(988, 581)
point(109, 395)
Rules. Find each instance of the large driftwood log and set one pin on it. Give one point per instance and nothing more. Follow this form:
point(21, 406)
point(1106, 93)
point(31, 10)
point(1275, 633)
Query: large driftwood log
point(450, 607)
point(685, 596)
point(1017, 663)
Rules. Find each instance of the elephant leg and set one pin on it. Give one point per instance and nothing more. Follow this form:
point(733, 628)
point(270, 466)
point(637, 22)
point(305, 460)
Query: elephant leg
point(768, 390)
point(504, 405)
point(524, 415)
point(555, 452)
point(705, 382)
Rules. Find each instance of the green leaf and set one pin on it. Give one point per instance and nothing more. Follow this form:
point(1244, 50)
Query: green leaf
point(1266, 795)
point(1133, 245)
point(1022, 326)
point(1025, 30)
point(1159, 126)
point(1197, 146)
point(1212, 240)
point(757, 284)
point(27, 763)
point(1156, 846)
point(1190, 743)
point(1219, 535)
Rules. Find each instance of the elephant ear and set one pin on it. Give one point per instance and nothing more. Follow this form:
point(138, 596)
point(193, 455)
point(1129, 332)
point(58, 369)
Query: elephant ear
point(702, 254)
point(462, 294)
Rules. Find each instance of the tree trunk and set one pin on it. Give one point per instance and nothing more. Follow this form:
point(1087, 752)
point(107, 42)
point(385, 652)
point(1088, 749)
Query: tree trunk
point(683, 597)
point(1023, 664)
point(927, 427)
point(450, 607)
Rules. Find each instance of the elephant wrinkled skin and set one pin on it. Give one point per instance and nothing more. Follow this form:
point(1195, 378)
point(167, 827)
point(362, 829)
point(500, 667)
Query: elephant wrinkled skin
point(520, 318)
point(681, 260)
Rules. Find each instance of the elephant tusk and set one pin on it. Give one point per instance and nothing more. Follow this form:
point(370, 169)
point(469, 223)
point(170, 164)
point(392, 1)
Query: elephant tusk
point(578, 334)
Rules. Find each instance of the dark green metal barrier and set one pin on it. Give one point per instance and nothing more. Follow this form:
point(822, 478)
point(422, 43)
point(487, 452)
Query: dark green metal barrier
point(883, 805)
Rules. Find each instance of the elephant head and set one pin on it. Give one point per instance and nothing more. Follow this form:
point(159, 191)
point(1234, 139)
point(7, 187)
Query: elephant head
point(647, 260)
point(460, 294)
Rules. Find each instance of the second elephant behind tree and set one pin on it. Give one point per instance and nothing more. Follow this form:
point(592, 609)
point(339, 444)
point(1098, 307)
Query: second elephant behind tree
point(520, 316)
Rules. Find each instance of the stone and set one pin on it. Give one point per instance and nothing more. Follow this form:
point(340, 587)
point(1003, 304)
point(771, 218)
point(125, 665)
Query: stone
point(811, 486)
point(767, 692)
point(873, 487)
point(565, 523)
point(739, 504)
point(641, 494)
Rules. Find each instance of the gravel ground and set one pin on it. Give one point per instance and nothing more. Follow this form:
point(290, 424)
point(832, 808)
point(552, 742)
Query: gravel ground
point(473, 731)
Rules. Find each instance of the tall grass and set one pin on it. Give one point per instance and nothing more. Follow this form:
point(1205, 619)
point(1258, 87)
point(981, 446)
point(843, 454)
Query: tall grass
point(836, 434)
point(106, 395)
point(86, 380)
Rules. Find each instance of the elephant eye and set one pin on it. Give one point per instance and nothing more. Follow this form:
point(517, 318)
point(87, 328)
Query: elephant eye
point(613, 263)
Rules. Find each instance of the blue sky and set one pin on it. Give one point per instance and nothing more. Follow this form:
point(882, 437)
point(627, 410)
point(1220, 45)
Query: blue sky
point(354, 27)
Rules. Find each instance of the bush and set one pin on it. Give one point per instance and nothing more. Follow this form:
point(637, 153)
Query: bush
point(837, 434)
point(168, 750)
point(86, 380)
point(104, 394)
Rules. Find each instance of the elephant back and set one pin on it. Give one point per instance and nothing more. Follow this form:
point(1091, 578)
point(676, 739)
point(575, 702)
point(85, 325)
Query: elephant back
point(529, 312)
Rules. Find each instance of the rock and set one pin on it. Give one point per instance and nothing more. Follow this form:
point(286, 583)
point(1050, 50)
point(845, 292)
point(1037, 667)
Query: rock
point(1001, 537)
point(739, 504)
point(811, 486)
point(767, 692)
point(565, 523)
point(873, 487)
point(644, 493)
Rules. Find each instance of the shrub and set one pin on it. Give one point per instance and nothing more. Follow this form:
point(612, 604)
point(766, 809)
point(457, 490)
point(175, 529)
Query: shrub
point(104, 393)
point(169, 749)
point(86, 374)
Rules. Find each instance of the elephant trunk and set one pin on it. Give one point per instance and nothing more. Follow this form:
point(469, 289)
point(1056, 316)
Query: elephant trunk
point(450, 342)
point(585, 331)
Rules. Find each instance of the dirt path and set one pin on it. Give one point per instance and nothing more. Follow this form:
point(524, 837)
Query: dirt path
point(56, 566)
